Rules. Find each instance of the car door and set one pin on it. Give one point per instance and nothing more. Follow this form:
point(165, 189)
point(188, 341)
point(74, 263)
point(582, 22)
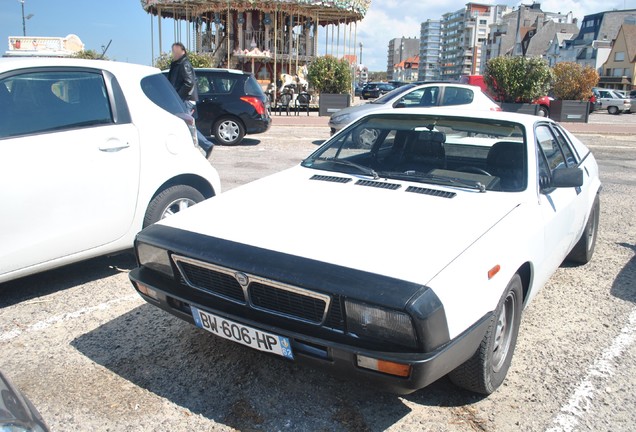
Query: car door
point(456, 96)
point(209, 106)
point(69, 165)
point(559, 207)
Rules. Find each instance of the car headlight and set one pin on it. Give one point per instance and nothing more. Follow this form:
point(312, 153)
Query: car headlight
point(371, 322)
point(154, 258)
point(341, 118)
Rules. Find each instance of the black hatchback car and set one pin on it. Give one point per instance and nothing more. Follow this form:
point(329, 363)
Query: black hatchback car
point(375, 90)
point(231, 104)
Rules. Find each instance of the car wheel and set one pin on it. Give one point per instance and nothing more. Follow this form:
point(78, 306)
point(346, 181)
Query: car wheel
point(613, 110)
point(170, 201)
point(543, 111)
point(228, 131)
point(583, 251)
point(486, 370)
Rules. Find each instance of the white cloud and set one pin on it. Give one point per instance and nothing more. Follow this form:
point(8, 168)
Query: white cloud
point(388, 19)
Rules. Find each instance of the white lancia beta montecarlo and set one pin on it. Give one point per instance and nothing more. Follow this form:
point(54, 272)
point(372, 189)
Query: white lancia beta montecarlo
point(404, 249)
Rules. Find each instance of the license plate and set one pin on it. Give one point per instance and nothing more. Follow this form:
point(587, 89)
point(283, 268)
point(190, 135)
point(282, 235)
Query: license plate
point(243, 334)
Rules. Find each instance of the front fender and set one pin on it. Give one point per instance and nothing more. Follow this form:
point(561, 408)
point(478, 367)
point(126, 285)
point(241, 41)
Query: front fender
point(464, 286)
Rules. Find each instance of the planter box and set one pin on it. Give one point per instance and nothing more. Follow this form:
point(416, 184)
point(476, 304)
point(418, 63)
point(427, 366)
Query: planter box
point(330, 103)
point(520, 108)
point(570, 111)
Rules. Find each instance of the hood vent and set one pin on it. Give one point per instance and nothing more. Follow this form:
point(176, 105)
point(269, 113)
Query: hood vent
point(433, 192)
point(333, 179)
point(377, 184)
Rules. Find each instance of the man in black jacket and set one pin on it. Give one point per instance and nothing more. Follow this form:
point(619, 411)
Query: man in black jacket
point(184, 81)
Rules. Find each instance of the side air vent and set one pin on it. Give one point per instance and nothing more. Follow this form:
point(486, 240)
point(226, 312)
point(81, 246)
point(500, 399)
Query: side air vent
point(433, 192)
point(381, 185)
point(331, 178)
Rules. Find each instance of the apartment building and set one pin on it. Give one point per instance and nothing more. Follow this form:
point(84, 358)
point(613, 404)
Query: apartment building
point(399, 50)
point(463, 34)
point(430, 39)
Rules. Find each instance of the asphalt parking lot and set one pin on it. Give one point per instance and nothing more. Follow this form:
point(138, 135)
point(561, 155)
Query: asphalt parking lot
point(92, 355)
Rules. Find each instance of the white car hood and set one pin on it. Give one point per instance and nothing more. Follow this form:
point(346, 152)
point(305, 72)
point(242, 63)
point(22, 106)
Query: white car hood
point(404, 235)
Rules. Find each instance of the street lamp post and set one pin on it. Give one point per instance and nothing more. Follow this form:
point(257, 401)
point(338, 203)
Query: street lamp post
point(361, 44)
point(23, 20)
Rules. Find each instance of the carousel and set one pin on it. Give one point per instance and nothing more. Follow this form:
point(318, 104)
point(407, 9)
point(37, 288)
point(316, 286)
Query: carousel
point(273, 39)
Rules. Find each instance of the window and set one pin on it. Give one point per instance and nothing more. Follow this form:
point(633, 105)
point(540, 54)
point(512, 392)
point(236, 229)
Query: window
point(570, 158)
point(550, 148)
point(159, 90)
point(619, 56)
point(457, 96)
point(252, 87)
point(47, 101)
point(483, 22)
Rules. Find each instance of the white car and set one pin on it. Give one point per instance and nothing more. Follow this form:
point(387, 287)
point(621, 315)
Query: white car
point(398, 262)
point(90, 153)
point(431, 95)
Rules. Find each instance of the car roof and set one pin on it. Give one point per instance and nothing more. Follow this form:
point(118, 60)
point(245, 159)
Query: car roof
point(14, 63)
point(234, 71)
point(526, 119)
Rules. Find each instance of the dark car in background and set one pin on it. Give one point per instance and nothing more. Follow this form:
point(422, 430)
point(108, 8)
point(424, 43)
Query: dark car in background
point(231, 104)
point(375, 90)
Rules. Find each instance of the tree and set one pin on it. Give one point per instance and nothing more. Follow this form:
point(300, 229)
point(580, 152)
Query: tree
point(377, 76)
point(518, 79)
point(573, 81)
point(198, 60)
point(327, 74)
point(89, 55)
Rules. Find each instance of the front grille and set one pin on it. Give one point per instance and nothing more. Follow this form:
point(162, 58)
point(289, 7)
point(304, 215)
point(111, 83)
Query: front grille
point(335, 318)
point(381, 185)
point(287, 302)
point(214, 282)
point(262, 294)
point(433, 192)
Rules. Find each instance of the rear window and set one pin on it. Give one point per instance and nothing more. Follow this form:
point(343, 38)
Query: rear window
point(50, 101)
point(159, 90)
point(252, 87)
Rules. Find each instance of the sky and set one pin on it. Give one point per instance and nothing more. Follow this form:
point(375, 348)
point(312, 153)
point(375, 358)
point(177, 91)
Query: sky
point(128, 26)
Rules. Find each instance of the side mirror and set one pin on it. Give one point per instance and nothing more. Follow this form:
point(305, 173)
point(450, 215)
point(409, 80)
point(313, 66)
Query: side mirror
point(567, 178)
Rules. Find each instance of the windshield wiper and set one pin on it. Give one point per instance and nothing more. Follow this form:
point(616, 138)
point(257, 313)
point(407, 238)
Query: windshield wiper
point(363, 169)
point(431, 178)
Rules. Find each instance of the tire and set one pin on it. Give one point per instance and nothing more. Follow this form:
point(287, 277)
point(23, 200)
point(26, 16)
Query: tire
point(486, 370)
point(583, 251)
point(170, 201)
point(228, 131)
point(613, 110)
point(543, 111)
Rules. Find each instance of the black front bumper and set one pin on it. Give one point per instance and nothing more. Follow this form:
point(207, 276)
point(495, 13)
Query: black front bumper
point(338, 358)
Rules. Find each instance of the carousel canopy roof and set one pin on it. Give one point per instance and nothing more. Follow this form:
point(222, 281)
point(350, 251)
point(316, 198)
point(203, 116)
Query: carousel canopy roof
point(328, 11)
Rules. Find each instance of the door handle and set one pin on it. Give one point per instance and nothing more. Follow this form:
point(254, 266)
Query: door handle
point(113, 145)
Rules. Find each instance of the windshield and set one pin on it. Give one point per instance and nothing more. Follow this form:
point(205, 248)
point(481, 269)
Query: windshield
point(481, 154)
point(392, 94)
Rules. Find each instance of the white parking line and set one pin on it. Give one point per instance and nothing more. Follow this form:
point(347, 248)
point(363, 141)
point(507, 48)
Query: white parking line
point(41, 325)
point(580, 403)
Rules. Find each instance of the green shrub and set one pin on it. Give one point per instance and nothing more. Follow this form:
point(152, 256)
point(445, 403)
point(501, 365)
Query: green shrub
point(572, 81)
point(518, 79)
point(327, 74)
point(89, 55)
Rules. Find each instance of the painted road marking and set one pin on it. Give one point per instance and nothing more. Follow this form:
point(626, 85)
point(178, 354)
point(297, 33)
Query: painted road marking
point(580, 403)
point(41, 325)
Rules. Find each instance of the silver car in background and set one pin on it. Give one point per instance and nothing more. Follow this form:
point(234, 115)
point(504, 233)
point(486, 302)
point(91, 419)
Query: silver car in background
point(440, 94)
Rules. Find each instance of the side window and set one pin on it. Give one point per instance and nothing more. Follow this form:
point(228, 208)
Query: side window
point(412, 99)
point(47, 101)
point(222, 84)
point(549, 147)
point(203, 84)
point(457, 96)
point(570, 159)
